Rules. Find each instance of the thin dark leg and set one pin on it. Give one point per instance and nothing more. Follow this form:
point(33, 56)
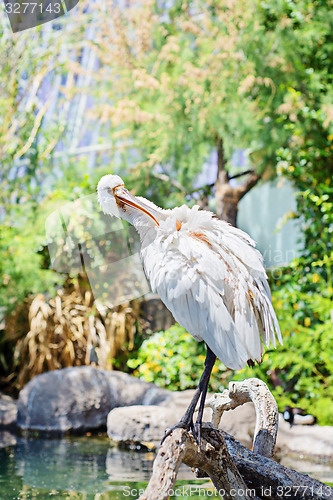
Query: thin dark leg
point(209, 363)
point(197, 426)
point(186, 421)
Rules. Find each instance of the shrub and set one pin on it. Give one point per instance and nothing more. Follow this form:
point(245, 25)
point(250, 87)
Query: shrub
point(175, 360)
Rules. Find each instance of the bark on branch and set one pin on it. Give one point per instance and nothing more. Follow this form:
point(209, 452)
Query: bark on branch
point(235, 471)
point(212, 457)
point(267, 415)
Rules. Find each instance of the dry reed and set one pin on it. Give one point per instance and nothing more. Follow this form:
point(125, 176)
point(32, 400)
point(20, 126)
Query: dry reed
point(68, 330)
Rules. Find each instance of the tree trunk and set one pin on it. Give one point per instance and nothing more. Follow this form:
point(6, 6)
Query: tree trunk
point(228, 197)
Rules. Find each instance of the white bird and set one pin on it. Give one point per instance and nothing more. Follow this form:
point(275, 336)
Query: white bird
point(208, 274)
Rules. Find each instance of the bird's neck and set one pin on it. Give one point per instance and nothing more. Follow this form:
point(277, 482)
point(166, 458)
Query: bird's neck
point(146, 222)
point(145, 226)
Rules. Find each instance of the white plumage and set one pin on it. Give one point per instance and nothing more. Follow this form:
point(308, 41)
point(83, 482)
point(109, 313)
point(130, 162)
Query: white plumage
point(208, 273)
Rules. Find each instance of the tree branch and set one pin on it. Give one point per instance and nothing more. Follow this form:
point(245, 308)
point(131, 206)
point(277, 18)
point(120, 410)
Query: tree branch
point(235, 471)
point(212, 457)
point(166, 466)
point(267, 421)
point(251, 171)
point(245, 188)
point(272, 480)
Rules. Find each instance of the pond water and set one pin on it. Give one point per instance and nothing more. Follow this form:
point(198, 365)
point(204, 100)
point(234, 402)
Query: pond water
point(75, 468)
point(84, 468)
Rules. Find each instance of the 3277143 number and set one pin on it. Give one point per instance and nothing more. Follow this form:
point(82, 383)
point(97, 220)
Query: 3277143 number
point(30, 7)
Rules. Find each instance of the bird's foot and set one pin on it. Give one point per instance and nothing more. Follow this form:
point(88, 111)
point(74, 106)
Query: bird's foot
point(196, 431)
point(182, 424)
point(195, 428)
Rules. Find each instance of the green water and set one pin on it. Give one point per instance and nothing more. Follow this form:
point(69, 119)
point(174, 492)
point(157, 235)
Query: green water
point(87, 468)
point(76, 468)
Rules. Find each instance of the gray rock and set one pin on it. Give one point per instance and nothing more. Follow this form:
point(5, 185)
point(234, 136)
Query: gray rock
point(138, 425)
point(8, 412)
point(7, 439)
point(239, 422)
point(314, 440)
point(79, 399)
point(133, 425)
point(144, 425)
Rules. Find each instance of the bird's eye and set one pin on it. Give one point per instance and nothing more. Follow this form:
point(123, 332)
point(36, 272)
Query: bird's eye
point(109, 190)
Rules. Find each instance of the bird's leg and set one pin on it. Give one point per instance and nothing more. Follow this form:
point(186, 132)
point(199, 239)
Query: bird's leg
point(209, 363)
point(197, 426)
point(186, 422)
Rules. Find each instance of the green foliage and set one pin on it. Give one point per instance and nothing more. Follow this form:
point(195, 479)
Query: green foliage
point(27, 172)
point(24, 263)
point(301, 116)
point(175, 360)
point(315, 206)
point(179, 88)
point(301, 125)
point(301, 371)
point(22, 268)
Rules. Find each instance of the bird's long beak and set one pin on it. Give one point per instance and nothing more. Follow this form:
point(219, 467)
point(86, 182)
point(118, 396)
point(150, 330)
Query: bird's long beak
point(124, 197)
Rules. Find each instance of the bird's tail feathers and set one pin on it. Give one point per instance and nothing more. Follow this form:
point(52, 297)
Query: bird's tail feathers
point(248, 328)
point(227, 345)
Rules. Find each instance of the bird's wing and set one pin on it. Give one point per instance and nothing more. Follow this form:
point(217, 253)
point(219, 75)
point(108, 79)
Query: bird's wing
point(216, 290)
point(253, 294)
point(197, 304)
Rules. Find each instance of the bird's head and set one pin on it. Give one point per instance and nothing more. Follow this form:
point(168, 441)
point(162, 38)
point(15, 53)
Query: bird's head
point(116, 200)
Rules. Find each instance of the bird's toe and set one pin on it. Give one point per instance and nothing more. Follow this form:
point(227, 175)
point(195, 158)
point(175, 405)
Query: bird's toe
point(196, 431)
point(180, 425)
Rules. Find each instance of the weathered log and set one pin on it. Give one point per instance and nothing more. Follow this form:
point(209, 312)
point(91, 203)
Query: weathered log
point(235, 471)
point(166, 466)
point(212, 457)
point(267, 421)
point(273, 481)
